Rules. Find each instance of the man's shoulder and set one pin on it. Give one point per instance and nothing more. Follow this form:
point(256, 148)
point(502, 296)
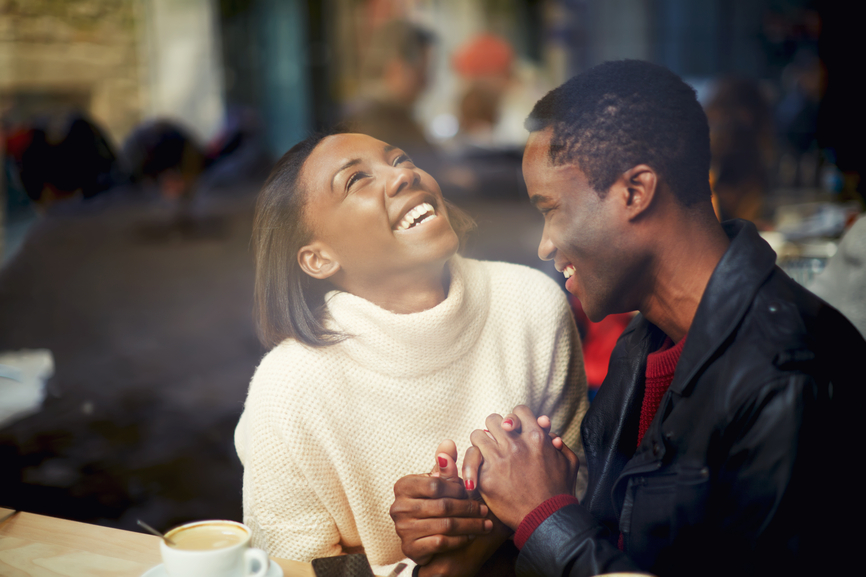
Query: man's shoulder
point(788, 332)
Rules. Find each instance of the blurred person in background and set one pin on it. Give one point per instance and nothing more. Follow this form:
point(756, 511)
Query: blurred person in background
point(62, 157)
point(480, 162)
point(395, 73)
point(485, 63)
point(164, 154)
point(741, 143)
point(238, 154)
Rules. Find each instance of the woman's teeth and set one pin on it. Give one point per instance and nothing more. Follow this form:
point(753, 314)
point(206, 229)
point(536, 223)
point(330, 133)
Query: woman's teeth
point(568, 271)
point(421, 213)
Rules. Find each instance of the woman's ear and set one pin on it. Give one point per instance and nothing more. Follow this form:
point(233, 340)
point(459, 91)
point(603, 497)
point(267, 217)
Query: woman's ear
point(637, 187)
point(317, 260)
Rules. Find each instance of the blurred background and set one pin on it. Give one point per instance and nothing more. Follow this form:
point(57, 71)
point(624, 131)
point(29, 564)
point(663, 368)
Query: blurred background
point(135, 134)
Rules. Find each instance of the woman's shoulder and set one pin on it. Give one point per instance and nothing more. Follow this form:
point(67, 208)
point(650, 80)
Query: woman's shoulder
point(292, 367)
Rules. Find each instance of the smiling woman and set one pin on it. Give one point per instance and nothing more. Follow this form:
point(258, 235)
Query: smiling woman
point(385, 342)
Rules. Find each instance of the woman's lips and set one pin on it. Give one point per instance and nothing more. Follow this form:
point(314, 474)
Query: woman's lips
point(417, 216)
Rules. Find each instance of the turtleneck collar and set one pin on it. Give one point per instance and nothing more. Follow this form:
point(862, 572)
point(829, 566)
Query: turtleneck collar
point(411, 345)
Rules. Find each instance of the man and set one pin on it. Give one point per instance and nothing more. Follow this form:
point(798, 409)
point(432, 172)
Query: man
point(722, 439)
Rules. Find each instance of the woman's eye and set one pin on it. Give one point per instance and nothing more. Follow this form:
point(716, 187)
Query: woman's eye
point(354, 178)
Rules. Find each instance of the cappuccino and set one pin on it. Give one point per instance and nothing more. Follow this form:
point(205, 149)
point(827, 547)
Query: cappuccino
point(207, 537)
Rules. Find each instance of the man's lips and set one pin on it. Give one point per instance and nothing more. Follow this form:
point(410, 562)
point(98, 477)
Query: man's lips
point(567, 271)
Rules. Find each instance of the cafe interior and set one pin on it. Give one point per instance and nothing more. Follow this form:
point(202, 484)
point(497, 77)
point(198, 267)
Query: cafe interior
point(127, 339)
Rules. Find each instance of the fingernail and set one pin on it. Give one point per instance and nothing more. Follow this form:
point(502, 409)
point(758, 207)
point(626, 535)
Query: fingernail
point(488, 524)
point(443, 462)
point(484, 510)
point(508, 422)
point(486, 431)
point(470, 485)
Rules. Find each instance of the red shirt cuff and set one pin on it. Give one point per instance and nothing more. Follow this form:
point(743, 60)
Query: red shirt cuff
point(538, 515)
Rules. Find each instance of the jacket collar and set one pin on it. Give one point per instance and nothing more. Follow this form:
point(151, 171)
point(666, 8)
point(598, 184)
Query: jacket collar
point(733, 285)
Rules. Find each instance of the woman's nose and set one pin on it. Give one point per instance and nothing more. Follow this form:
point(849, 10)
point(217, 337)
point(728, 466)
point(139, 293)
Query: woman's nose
point(402, 178)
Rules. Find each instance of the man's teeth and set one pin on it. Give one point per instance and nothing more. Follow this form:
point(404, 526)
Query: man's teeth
point(421, 213)
point(568, 271)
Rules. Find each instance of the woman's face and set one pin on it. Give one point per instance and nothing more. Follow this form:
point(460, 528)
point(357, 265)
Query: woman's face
point(372, 211)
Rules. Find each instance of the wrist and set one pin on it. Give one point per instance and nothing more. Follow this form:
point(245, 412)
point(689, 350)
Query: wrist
point(540, 514)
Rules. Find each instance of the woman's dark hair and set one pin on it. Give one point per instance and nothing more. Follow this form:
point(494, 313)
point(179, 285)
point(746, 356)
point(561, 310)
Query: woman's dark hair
point(288, 302)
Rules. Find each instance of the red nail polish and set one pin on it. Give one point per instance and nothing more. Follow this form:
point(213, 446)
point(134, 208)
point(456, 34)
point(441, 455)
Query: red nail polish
point(508, 422)
point(486, 431)
point(470, 484)
point(443, 462)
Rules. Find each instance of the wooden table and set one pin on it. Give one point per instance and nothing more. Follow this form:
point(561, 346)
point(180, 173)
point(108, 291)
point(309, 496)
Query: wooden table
point(38, 546)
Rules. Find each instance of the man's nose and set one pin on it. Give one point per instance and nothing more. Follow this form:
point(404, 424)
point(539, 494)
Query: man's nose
point(401, 178)
point(546, 250)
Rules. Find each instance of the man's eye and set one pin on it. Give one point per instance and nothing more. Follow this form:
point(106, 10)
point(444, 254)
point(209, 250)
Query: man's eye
point(401, 159)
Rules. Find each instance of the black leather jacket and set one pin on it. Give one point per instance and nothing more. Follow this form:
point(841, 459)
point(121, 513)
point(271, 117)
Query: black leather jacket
point(749, 465)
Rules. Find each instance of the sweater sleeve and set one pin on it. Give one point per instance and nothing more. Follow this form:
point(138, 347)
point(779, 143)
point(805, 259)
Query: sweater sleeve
point(283, 510)
point(566, 400)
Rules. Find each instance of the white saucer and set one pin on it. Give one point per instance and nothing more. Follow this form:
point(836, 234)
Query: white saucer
point(274, 570)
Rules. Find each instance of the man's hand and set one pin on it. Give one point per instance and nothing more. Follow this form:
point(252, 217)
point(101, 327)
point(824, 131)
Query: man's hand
point(433, 514)
point(521, 466)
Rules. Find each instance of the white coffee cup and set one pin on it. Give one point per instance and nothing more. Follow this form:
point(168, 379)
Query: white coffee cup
point(214, 548)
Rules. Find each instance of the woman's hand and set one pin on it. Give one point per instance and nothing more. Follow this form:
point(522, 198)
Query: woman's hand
point(433, 514)
point(521, 466)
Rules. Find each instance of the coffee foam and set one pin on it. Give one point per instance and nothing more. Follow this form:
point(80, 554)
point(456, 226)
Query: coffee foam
point(207, 537)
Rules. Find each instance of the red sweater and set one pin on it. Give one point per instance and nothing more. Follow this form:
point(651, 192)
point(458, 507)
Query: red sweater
point(660, 368)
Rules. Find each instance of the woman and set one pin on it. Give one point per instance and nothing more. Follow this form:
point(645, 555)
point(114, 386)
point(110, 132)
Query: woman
point(385, 342)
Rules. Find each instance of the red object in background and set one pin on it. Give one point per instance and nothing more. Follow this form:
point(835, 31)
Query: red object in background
point(484, 55)
point(598, 340)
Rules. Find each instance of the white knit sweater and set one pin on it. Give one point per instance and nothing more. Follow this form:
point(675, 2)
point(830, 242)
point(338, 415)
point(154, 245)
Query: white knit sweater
point(326, 432)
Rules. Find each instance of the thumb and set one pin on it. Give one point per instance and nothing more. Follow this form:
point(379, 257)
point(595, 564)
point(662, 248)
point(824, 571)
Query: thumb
point(446, 460)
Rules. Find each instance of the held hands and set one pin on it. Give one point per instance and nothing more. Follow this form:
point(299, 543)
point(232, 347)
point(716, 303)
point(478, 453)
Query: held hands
point(522, 468)
point(433, 513)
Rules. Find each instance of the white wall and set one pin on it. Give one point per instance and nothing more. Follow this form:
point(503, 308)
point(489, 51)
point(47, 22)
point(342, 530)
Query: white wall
point(183, 63)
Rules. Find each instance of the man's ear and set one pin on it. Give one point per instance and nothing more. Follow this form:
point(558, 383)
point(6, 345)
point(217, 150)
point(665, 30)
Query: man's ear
point(637, 189)
point(317, 260)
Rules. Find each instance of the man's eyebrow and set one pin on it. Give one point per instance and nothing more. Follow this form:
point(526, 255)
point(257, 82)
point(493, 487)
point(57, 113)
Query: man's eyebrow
point(349, 164)
point(389, 148)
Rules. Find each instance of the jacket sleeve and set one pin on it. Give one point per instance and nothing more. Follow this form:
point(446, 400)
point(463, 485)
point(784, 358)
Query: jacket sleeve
point(571, 543)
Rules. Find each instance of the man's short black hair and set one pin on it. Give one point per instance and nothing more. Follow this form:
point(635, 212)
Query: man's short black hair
point(621, 114)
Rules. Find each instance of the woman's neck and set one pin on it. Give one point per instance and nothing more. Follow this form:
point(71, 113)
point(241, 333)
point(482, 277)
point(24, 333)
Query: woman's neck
point(411, 292)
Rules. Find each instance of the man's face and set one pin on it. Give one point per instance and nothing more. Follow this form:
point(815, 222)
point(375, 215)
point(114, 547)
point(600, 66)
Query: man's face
point(582, 231)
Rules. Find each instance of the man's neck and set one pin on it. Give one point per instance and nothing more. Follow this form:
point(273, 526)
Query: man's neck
point(681, 271)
